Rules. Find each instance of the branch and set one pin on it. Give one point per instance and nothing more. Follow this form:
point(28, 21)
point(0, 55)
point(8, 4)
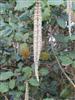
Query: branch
point(69, 79)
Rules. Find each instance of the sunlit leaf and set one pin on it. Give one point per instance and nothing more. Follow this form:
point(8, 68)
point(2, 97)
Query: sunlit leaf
point(21, 4)
point(55, 2)
point(5, 75)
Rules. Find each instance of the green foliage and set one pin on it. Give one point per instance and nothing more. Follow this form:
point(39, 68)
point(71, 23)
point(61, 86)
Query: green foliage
point(27, 71)
point(4, 87)
point(61, 22)
point(65, 60)
point(55, 2)
point(5, 75)
point(48, 99)
point(65, 93)
point(44, 71)
point(12, 84)
point(21, 4)
point(16, 33)
point(33, 82)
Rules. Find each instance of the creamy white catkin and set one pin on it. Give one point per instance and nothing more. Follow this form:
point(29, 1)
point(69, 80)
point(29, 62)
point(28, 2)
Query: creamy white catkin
point(37, 36)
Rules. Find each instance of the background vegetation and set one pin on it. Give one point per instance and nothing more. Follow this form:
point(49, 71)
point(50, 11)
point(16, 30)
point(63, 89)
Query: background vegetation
point(16, 51)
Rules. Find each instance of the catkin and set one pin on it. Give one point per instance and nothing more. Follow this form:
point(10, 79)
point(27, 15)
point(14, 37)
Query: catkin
point(69, 11)
point(37, 37)
point(27, 92)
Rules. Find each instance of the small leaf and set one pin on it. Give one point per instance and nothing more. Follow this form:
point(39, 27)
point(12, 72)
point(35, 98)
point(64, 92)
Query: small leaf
point(48, 99)
point(46, 13)
point(73, 64)
point(65, 60)
point(55, 2)
point(73, 6)
point(4, 87)
point(6, 75)
point(12, 83)
point(44, 71)
point(27, 71)
point(25, 16)
point(72, 55)
point(65, 93)
point(33, 82)
point(19, 36)
point(21, 4)
point(72, 38)
point(61, 22)
point(21, 87)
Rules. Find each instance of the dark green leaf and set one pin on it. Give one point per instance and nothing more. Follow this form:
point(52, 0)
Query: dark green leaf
point(65, 93)
point(61, 22)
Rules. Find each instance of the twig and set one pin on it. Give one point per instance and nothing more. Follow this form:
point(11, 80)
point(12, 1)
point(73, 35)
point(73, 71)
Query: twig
point(69, 79)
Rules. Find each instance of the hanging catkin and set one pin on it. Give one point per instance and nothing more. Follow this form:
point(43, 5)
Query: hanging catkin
point(27, 91)
point(37, 37)
point(69, 11)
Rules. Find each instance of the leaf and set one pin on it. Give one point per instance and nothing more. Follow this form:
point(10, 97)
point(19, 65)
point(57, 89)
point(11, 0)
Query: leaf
point(65, 93)
point(19, 36)
point(4, 7)
point(20, 64)
point(55, 2)
point(33, 82)
point(25, 37)
point(44, 71)
point(21, 87)
point(6, 32)
point(12, 84)
point(25, 16)
point(72, 55)
point(61, 22)
point(44, 56)
point(4, 87)
point(72, 38)
point(61, 38)
point(48, 99)
point(5, 75)
point(18, 58)
point(73, 6)
point(65, 60)
point(23, 46)
point(27, 71)
point(53, 87)
point(46, 14)
point(16, 94)
point(21, 4)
